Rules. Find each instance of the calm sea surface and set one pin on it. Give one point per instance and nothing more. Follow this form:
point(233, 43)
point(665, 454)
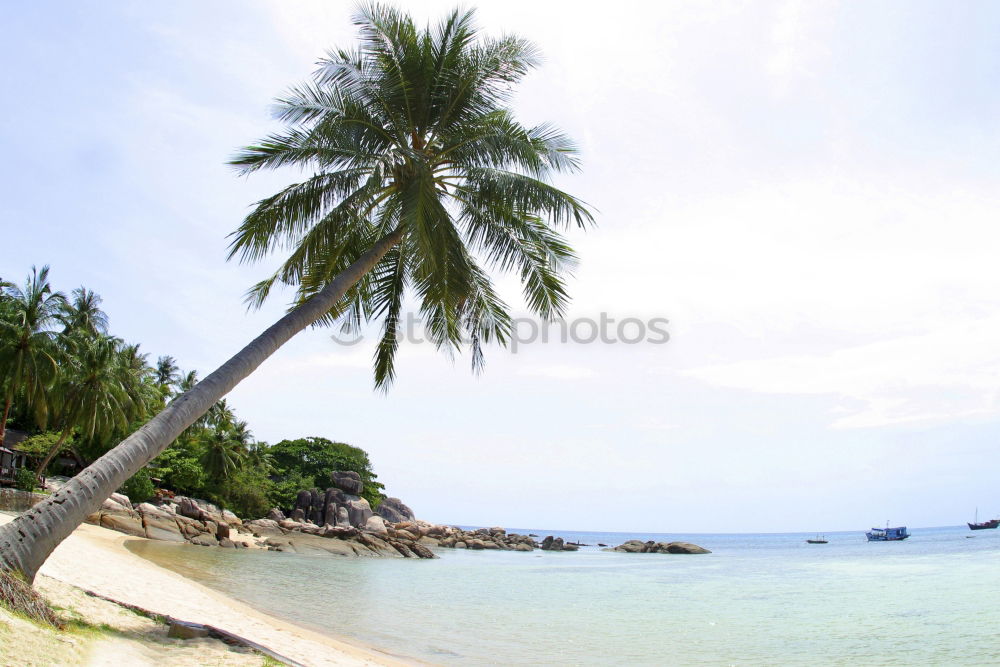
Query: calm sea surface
point(756, 600)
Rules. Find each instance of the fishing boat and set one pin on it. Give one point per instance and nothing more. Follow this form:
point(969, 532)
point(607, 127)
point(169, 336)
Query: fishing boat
point(887, 534)
point(985, 525)
point(819, 539)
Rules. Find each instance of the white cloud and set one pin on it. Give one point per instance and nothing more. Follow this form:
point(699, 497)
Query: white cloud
point(947, 374)
point(558, 372)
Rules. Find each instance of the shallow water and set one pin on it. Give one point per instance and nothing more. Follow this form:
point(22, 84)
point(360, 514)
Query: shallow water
point(756, 600)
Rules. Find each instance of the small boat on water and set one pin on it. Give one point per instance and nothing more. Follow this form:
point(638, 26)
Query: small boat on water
point(819, 539)
point(985, 525)
point(887, 534)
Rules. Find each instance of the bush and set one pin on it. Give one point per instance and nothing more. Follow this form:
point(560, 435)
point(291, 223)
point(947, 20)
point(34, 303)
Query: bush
point(139, 488)
point(246, 494)
point(25, 479)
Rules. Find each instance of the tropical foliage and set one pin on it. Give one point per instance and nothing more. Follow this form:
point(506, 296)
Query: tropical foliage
point(78, 390)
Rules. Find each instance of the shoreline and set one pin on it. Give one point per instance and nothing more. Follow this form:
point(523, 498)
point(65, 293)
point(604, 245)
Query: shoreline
point(96, 560)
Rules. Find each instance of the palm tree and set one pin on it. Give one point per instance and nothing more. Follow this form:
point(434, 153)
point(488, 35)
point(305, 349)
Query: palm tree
point(83, 313)
point(421, 173)
point(223, 454)
point(187, 382)
point(92, 395)
point(27, 344)
point(167, 372)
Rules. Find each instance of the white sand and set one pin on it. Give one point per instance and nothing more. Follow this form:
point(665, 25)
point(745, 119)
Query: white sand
point(94, 559)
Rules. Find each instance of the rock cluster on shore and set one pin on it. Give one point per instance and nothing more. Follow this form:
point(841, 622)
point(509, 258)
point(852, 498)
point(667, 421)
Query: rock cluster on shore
point(177, 519)
point(651, 547)
point(337, 521)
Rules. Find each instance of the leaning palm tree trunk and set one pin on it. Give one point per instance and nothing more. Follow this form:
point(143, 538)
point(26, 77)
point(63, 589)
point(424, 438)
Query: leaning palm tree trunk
point(26, 542)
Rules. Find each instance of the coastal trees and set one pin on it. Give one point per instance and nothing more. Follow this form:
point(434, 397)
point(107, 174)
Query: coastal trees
point(422, 179)
point(307, 462)
point(27, 344)
point(91, 394)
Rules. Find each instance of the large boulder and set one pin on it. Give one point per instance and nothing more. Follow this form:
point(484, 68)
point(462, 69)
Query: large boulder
point(124, 522)
point(189, 508)
point(159, 524)
point(631, 546)
point(637, 546)
point(685, 548)
point(348, 481)
point(122, 500)
point(376, 524)
point(359, 512)
point(394, 510)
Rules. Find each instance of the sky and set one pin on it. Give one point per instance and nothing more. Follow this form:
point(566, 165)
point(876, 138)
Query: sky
point(806, 192)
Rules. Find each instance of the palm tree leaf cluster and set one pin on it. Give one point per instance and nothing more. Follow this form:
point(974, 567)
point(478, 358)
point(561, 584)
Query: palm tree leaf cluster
point(411, 133)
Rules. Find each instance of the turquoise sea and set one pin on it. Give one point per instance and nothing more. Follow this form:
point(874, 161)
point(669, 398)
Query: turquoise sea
point(758, 599)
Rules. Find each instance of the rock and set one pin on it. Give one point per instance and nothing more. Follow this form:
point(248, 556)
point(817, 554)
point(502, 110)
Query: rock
point(635, 546)
point(376, 524)
point(348, 481)
point(343, 518)
point(394, 510)
point(190, 528)
point(359, 511)
point(154, 510)
point(631, 546)
point(128, 523)
point(159, 528)
point(523, 547)
point(686, 548)
point(421, 551)
point(231, 519)
point(316, 507)
point(227, 543)
point(342, 532)
point(122, 500)
point(181, 630)
point(461, 545)
point(275, 515)
point(263, 527)
point(303, 500)
point(298, 515)
point(204, 540)
point(222, 531)
point(189, 508)
point(110, 505)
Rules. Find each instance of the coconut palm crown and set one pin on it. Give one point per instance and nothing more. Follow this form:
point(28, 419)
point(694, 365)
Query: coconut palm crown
point(408, 136)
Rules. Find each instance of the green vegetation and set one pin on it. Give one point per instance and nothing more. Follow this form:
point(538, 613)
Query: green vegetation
point(25, 480)
point(308, 461)
point(59, 367)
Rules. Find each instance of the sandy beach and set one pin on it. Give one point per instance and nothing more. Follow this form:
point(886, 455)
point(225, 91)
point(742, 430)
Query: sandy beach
point(94, 559)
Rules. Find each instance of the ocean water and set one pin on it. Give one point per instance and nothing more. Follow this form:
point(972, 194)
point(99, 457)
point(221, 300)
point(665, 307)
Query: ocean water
point(771, 599)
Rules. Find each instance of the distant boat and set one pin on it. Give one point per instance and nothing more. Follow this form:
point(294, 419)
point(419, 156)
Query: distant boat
point(992, 523)
point(887, 534)
point(819, 539)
